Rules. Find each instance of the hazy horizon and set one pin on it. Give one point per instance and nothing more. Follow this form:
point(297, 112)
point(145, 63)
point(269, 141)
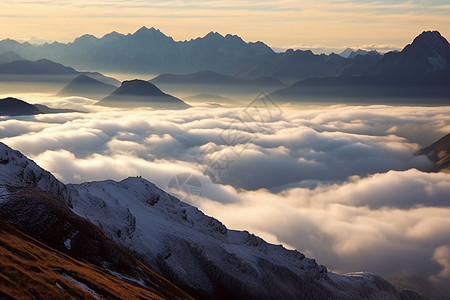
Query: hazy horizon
point(323, 26)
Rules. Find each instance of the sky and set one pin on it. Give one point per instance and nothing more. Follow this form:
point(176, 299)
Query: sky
point(341, 184)
point(322, 25)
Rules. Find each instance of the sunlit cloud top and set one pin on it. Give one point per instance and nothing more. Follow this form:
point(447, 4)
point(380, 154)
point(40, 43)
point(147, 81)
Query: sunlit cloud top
point(286, 23)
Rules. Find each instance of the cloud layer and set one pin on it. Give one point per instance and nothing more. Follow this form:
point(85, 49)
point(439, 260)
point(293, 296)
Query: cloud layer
point(341, 184)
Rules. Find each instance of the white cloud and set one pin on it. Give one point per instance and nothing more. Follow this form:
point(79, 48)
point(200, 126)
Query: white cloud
point(341, 184)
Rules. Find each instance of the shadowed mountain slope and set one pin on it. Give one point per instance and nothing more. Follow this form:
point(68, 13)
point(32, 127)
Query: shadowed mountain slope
point(139, 93)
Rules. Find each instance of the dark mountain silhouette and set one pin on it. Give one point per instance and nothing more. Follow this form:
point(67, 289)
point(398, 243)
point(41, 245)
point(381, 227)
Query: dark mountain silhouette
point(210, 77)
point(9, 56)
point(429, 52)
point(48, 110)
point(44, 70)
point(86, 86)
point(439, 152)
point(137, 93)
point(296, 65)
point(360, 63)
point(420, 70)
point(15, 107)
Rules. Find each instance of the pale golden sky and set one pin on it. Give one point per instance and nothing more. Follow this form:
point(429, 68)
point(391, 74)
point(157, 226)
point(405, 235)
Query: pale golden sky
point(286, 23)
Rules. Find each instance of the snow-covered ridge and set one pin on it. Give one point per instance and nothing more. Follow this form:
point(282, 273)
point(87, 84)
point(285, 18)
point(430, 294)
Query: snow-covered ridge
point(18, 170)
point(193, 250)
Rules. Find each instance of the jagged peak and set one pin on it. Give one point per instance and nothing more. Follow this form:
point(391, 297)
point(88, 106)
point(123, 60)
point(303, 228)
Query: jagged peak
point(113, 34)
point(145, 30)
point(85, 37)
point(431, 39)
point(213, 34)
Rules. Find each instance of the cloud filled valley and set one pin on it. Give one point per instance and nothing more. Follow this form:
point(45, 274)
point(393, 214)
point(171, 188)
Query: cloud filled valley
point(342, 184)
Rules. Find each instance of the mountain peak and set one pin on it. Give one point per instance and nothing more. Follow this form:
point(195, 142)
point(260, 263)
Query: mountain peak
point(138, 93)
point(142, 29)
point(15, 107)
point(432, 46)
point(213, 34)
point(140, 87)
point(145, 30)
point(431, 38)
point(111, 35)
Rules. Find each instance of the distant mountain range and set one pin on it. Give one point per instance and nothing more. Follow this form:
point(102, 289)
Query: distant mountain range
point(213, 78)
point(15, 107)
point(420, 70)
point(87, 237)
point(150, 51)
point(137, 93)
point(351, 53)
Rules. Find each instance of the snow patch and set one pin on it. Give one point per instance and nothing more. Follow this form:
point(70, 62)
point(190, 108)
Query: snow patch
point(127, 278)
point(68, 242)
point(81, 285)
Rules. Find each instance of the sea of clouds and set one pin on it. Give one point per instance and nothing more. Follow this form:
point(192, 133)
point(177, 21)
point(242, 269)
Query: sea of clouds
point(342, 184)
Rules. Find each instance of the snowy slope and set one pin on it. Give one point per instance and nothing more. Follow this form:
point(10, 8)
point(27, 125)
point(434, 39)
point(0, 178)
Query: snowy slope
point(195, 251)
point(200, 253)
point(18, 170)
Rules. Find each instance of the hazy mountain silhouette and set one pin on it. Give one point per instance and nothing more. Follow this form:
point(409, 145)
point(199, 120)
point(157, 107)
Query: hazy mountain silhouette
point(148, 50)
point(420, 70)
point(296, 65)
point(9, 56)
point(361, 52)
point(15, 107)
point(137, 93)
point(86, 86)
point(44, 70)
point(351, 53)
point(38, 67)
point(210, 77)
